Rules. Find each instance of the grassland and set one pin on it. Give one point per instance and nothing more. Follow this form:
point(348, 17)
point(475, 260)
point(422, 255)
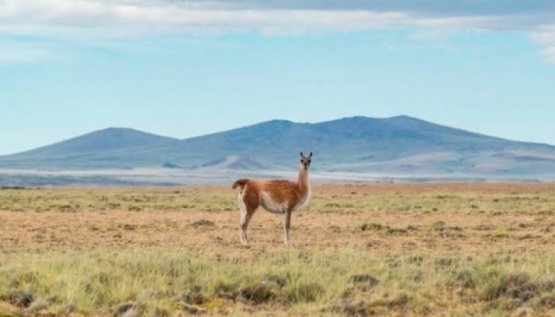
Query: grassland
point(358, 250)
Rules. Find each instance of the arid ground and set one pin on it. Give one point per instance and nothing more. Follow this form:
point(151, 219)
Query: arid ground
point(373, 249)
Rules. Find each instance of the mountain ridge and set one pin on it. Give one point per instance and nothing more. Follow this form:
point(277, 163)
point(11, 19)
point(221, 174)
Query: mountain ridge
point(397, 146)
point(91, 146)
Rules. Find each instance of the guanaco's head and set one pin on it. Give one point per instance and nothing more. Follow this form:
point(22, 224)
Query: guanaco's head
point(305, 160)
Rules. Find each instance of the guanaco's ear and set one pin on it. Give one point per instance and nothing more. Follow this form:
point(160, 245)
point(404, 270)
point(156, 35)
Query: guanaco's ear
point(310, 155)
point(302, 154)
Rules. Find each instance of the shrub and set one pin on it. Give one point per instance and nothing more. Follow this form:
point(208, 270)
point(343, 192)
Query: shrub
point(22, 299)
point(257, 292)
point(194, 295)
point(364, 279)
point(512, 285)
point(372, 226)
point(465, 278)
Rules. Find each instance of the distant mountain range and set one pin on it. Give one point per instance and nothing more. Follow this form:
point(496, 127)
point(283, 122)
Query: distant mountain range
point(358, 148)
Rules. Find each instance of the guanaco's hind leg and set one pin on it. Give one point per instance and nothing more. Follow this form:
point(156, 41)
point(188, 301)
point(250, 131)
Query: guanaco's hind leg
point(246, 215)
point(286, 226)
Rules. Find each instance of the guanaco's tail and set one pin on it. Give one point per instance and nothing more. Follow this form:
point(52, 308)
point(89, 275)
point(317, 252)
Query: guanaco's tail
point(240, 183)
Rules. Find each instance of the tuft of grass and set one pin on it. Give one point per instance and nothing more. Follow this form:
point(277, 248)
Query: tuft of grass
point(304, 292)
point(372, 227)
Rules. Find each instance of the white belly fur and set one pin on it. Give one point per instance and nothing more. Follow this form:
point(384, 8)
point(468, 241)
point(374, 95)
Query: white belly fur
point(271, 205)
point(274, 207)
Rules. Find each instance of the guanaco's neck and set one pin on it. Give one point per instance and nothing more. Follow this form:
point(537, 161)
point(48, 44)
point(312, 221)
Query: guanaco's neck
point(303, 179)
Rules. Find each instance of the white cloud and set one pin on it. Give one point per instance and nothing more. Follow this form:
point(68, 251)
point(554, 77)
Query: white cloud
point(22, 55)
point(17, 52)
point(549, 54)
point(198, 15)
point(546, 37)
point(82, 13)
point(432, 34)
point(128, 18)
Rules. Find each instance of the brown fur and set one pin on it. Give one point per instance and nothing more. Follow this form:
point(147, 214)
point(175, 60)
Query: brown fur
point(240, 182)
point(279, 196)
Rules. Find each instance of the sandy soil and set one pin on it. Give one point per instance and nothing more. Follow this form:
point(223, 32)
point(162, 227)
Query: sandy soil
point(376, 232)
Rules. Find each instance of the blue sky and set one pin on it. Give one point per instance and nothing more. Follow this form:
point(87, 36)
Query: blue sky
point(184, 68)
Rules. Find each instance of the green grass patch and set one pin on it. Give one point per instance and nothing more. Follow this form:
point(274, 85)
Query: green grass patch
point(153, 281)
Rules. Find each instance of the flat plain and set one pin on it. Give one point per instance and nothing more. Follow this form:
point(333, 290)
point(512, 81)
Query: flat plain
point(449, 249)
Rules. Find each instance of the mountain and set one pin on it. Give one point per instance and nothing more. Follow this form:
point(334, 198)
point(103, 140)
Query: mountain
point(368, 148)
point(106, 148)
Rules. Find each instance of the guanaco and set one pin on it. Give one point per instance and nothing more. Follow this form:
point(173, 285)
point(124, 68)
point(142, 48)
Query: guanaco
point(276, 196)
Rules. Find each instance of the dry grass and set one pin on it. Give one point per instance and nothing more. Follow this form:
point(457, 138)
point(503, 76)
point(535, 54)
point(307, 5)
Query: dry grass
point(389, 249)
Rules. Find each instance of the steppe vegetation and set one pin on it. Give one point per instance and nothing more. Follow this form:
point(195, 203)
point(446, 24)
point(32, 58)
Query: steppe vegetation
point(373, 249)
